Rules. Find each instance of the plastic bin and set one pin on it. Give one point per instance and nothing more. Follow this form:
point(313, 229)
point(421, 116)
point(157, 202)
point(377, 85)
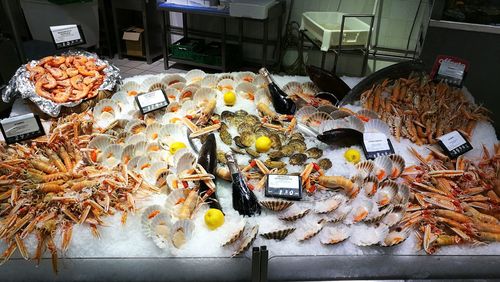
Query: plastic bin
point(325, 27)
point(185, 48)
point(211, 54)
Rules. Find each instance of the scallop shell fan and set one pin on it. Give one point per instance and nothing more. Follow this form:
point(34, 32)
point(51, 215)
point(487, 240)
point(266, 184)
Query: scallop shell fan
point(279, 234)
point(131, 86)
point(209, 81)
point(161, 230)
point(171, 79)
point(147, 217)
point(152, 84)
point(204, 94)
point(194, 76)
point(247, 240)
point(334, 235)
point(276, 205)
point(245, 76)
point(303, 114)
point(185, 226)
point(377, 125)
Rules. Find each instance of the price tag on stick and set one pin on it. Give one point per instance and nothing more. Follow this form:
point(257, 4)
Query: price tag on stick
point(284, 186)
point(65, 36)
point(376, 144)
point(151, 101)
point(451, 70)
point(454, 144)
point(20, 128)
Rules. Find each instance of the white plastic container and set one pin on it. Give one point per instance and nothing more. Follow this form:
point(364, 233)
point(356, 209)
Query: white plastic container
point(40, 15)
point(255, 9)
point(325, 27)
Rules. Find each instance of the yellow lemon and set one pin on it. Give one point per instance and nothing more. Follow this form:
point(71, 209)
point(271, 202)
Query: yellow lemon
point(176, 146)
point(214, 218)
point(229, 98)
point(263, 144)
point(352, 156)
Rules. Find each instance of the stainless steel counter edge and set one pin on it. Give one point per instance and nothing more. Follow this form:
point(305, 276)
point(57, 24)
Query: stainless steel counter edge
point(465, 26)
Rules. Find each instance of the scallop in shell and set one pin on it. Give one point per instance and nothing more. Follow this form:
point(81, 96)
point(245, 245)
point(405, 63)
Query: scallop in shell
point(246, 90)
point(245, 76)
point(398, 166)
point(172, 94)
point(339, 215)
point(157, 170)
point(377, 126)
point(132, 164)
point(311, 230)
point(128, 153)
point(361, 210)
point(204, 95)
point(105, 112)
point(100, 142)
point(292, 88)
point(355, 123)
point(152, 84)
point(180, 86)
point(188, 93)
point(365, 168)
point(153, 131)
point(175, 200)
point(182, 231)
point(383, 167)
point(161, 230)
point(209, 81)
point(334, 235)
point(309, 88)
point(329, 205)
point(387, 193)
point(366, 115)
point(147, 218)
point(135, 126)
point(370, 185)
point(303, 114)
point(340, 114)
point(317, 118)
point(294, 214)
point(111, 156)
point(276, 205)
point(379, 215)
point(402, 196)
point(183, 160)
point(125, 102)
point(226, 84)
point(395, 236)
point(143, 165)
point(247, 240)
point(367, 235)
point(153, 117)
point(394, 217)
point(141, 148)
point(278, 234)
point(171, 79)
point(132, 88)
point(235, 235)
point(194, 76)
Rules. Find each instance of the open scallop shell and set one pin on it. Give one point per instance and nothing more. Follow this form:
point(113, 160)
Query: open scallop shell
point(170, 118)
point(395, 236)
point(124, 101)
point(294, 214)
point(339, 215)
point(161, 230)
point(262, 96)
point(143, 165)
point(135, 126)
point(367, 235)
point(398, 166)
point(157, 170)
point(361, 210)
point(245, 76)
point(292, 88)
point(153, 131)
point(402, 196)
point(334, 235)
point(203, 95)
point(128, 153)
point(309, 230)
point(309, 88)
point(387, 193)
point(111, 156)
point(171, 79)
point(247, 240)
point(100, 142)
point(278, 234)
point(194, 76)
point(327, 109)
point(226, 84)
point(377, 125)
point(246, 90)
point(174, 200)
point(329, 205)
point(210, 81)
point(152, 84)
point(136, 138)
point(188, 93)
point(365, 168)
point(235, 235)
point(182, 231)
point(153, 117)
point(147, 217)
point(172, 94)
point(339, 114)
point(366, 115)
point(316, 119)
point(276, 205)
point(180, 86)
point(370, 185)
point(383, 167)
point(132, 88)
point(105, 112)
point(183, 160)
point(379, 215)
point(259, 81)
point(355, 123)
point(171, 131)
point(303, 114)
point(394, 217)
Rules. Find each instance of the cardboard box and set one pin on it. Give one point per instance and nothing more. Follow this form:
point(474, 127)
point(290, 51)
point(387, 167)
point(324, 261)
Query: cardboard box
point(134, 41)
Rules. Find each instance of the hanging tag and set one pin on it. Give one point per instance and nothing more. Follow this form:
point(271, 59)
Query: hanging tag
point(20, 128)
point(284, 186)
point(151, 101)
point(451, 70)
point(376, 144)
point(454, 144)
point(65, 36)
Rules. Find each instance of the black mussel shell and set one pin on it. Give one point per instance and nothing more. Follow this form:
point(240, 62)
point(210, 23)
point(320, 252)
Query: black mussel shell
point(328, 81)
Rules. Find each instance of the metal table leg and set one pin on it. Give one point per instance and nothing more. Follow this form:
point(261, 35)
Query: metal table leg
point(323, 57)
point(145, 23)
point(164, 40)
point(168, 38)
point(185, 25)
point(223, 44)
point(117, 32)
point(264, 43)
point(17, 36)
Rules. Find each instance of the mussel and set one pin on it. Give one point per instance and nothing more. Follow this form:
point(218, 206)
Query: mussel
point(208, 160)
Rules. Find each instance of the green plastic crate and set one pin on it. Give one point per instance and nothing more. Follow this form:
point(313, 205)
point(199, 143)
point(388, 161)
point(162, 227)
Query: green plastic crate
point(185, 48)
point(211, 55)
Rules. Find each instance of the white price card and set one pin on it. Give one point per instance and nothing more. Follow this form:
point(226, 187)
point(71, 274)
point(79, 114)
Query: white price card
point(376, 144)
point(451, 72)
point(151, 101)
point(454, 144)
point(67, 35)
point(21, 128)
point(284, 186)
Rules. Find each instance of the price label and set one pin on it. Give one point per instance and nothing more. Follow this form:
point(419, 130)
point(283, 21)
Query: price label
point(451, 70)
point(20, 128)
point(151, 101)
point(67, 35)
point(376, 144)
point(454, 144)
point(284, 186)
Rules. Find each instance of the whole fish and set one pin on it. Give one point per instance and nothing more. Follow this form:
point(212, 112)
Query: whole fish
point(208, 160)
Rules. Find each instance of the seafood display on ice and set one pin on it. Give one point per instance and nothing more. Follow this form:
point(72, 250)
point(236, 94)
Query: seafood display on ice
point(422, 110)
point(454, 201)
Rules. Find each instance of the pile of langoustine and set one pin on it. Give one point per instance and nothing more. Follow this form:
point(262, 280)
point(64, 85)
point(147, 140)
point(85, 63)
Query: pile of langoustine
point(51, 183)
point(64, 79)
point(454, 201)
point(422, 110)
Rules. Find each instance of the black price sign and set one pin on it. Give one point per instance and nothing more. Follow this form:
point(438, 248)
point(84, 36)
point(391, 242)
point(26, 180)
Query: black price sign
point(20, 128)
point(284, 186)
point(376, 144)
point(151, 101)
point(65, 36)
point(454, 144)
